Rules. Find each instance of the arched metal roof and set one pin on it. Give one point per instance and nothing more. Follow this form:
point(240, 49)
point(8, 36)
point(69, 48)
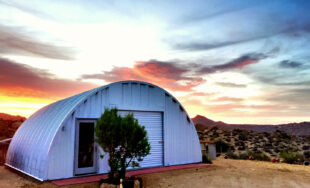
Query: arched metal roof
point(29, 148)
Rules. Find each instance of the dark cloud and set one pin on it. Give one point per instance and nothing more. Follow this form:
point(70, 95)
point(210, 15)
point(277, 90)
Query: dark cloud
point(25, 8)
point(296, 83)
point(278, 77)
point(23, 80)
point(222, 9)
point(200, 46)
point(242, 61)
point(192, 45)
point(169, 75)
point(292, 96)
point(239, 62)
point(290, 64)
point(230, 84)
point(12, 41)
point(173, 75)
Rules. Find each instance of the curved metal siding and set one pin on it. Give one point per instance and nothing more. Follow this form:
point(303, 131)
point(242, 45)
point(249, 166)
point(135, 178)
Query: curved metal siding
point(45, 150)
point(30, 145)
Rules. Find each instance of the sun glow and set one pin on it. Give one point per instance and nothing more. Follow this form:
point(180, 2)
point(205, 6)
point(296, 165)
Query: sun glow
point(24, 106)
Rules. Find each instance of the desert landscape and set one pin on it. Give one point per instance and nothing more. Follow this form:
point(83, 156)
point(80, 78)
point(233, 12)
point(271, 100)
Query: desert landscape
point(239, 141)
point(91, 89)
point(222, 173)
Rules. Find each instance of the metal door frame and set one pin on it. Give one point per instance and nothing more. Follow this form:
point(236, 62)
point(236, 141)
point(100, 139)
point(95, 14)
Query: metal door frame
point(87, 170)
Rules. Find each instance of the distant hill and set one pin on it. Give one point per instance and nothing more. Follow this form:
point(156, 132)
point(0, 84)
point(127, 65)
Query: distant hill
point(11, 117)
point(302, 128)
point(9, 124)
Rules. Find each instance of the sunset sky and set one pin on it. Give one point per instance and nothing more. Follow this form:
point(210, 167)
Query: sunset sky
point(232, 61)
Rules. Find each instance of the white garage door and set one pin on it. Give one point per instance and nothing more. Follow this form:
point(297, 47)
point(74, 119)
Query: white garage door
point(154, 126)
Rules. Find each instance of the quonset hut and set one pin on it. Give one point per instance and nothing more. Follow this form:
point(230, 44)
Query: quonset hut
point(57, 141)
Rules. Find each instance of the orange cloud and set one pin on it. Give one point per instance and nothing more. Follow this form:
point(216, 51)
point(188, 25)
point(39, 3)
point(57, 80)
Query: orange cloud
point(24, 89)
point(165, 74)
point(23, 80)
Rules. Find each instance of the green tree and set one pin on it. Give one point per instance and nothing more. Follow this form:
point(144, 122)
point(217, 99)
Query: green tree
point(124, 139)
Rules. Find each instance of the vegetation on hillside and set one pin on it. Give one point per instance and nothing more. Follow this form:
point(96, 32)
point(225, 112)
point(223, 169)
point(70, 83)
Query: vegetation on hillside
point(9, 124)
point(244, 144)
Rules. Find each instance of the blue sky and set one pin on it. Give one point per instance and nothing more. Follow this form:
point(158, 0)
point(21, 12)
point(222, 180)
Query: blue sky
point(234, 61)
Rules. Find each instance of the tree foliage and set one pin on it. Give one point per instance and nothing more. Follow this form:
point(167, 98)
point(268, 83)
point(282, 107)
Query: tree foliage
point(124, 139)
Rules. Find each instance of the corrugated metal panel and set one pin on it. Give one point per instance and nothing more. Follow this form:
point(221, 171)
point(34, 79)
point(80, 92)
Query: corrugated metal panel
point(43, 146)
point(152, 121)
point(181, 139)
point(30, 145)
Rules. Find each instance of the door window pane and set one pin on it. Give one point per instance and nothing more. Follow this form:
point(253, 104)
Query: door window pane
point(86, 145)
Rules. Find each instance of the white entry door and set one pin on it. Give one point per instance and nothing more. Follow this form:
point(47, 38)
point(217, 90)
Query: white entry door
point(85, 149)
point(153, 122)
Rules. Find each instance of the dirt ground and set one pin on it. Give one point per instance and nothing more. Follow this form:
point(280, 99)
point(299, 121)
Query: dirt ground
point(234, 173)
point(223, 173)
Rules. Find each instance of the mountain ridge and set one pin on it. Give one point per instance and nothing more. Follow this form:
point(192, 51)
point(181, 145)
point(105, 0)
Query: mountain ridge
point(302, 128)
point(9, 124)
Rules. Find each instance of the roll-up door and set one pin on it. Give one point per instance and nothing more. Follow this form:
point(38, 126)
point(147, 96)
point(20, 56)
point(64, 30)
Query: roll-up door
point(154, 126)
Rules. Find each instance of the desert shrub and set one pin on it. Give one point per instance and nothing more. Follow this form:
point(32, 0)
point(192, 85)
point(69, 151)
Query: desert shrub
point(231, 155)
point(241, 148)
point(221, 146)
point(243, 137)
point(124, 139)
point(206, 159)
point(279, 135)
point(260, 156)
point(231, 148)
point(307, 154)
point(214, 128)
point(305, 147)
point(237, 131)
point(243, 155)
point(291, 157)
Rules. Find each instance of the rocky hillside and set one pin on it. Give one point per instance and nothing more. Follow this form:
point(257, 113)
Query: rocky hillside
point(302, 128)
point(242, 141)
point(9, 124)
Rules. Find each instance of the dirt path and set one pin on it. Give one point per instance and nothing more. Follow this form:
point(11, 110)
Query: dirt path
point(234, 173)
point(223, 173)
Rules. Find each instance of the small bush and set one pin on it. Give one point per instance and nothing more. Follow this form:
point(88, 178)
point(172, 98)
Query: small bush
point(221, 146)
point(280, 135)
point(244, 155)
point(232, 155)
point(206, 159)
point(305, 147)
point(307, 154)
point(260, 156)
point(292, 157)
